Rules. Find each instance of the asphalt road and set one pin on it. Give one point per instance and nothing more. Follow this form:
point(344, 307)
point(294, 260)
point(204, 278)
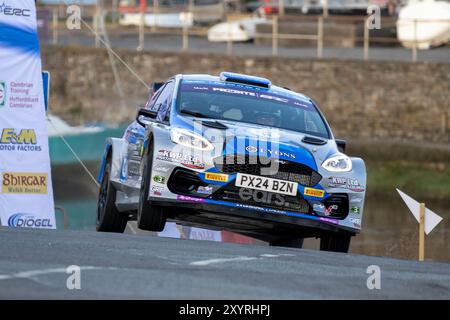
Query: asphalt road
point(33, 264)
point(173, 43)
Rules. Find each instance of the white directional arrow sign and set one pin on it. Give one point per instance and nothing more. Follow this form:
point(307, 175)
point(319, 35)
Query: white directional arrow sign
point(431, 218)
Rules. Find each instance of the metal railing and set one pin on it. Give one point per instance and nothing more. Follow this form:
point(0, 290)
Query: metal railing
point(320, 36)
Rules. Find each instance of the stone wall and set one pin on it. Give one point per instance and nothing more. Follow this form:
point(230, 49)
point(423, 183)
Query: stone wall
point(382, 100)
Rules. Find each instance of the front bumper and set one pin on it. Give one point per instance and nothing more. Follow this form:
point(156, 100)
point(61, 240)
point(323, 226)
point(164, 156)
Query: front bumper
point(317, 205)
point(223, 198)
point(252, 221)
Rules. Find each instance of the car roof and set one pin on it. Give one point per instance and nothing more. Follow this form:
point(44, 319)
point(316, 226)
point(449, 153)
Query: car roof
point(273, 88)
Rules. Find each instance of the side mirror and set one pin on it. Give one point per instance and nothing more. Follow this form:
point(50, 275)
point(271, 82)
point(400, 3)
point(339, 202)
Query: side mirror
point(341, 144)
point(144, 116)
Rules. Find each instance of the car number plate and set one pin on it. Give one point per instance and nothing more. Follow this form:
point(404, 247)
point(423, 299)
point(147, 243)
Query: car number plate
point(266, 184)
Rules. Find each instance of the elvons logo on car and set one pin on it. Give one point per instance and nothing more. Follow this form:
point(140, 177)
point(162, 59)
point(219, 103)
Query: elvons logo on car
point(24, 183)
point(24, 140)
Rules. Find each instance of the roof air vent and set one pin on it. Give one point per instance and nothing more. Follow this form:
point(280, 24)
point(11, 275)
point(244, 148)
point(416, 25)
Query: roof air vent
point(245, 79)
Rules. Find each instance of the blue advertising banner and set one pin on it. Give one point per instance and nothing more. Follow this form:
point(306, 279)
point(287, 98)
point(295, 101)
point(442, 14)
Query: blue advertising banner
point(26, 194)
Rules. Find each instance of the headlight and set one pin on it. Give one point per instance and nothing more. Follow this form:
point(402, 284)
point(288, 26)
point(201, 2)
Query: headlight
point(189, 139)
point(338, 163)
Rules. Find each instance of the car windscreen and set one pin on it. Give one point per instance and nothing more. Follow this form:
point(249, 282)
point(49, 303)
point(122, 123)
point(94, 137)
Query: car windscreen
point(243, 103)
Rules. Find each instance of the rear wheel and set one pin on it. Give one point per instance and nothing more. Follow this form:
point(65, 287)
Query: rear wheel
point(288, 242)
point(109, 219)
point(150, 217)
point(335, 242)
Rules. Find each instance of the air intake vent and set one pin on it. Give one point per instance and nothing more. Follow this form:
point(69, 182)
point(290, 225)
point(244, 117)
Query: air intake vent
point(213, 124)
point(312, 140)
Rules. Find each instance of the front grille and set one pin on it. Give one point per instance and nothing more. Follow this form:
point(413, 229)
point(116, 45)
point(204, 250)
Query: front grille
point(262, 199)
point(261, 166)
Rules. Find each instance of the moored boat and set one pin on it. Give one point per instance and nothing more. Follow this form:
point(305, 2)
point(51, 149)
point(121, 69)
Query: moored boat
point(425, 24)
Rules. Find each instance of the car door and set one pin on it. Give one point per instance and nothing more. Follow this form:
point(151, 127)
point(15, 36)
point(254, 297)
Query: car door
point(135, 135)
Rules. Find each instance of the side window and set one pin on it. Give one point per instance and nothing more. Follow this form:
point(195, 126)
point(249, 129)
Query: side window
point(151, 99)
point(155, 102)
point(164, 101)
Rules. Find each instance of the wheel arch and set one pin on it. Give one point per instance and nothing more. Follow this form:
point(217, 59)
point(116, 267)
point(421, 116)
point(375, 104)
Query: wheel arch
point(359, 168)
point(115, 149)
point(149, 137)
point(106, 155)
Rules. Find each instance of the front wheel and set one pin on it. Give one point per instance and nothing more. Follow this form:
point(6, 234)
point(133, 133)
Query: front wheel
point(150, 217)
point(109, 219)
point(335, 242)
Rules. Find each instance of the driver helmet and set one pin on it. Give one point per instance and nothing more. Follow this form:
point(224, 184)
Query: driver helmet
point(268, 119)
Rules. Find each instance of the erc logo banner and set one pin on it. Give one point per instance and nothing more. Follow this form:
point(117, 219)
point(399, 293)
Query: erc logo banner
point(9, 10)
point(26, 196)
point(24, 183)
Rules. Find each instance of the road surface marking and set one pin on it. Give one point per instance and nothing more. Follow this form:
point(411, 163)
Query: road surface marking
point(267, 255)
point(33, 273)
point(213, 261)
point(131, 228)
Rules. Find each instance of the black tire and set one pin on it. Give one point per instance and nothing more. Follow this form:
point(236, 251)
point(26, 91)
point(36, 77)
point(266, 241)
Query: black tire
point(150, 217)
point(335, 242)
point(109, 219)
point(287, 242)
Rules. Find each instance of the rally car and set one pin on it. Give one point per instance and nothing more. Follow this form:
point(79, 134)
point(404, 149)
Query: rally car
point(233, 152)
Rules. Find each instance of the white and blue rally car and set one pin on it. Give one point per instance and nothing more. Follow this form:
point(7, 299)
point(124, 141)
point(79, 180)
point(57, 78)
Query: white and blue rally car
point(233, 152)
